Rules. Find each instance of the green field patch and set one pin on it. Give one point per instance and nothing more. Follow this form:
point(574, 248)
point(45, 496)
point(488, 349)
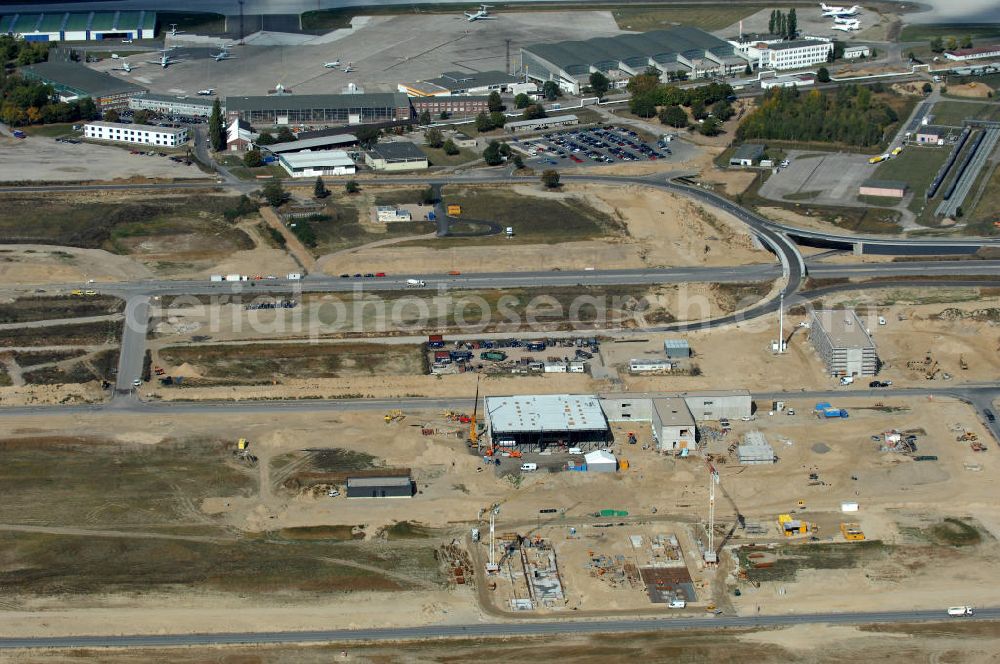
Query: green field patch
point(917, 168)
point(814, 556)
point(100, 366)
point(659, 17)
point(33, 308)
point(954, 113)
point(83, 334)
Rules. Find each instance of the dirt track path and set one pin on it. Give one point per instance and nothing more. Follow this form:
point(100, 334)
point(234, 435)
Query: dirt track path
point(88, 532)
point(423, 583)
point(292, 243)
point(324, 261)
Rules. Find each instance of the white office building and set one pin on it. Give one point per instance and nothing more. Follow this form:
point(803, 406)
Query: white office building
point(168, 105)
point(118, 132)
point(310, 164)
point(793, 54)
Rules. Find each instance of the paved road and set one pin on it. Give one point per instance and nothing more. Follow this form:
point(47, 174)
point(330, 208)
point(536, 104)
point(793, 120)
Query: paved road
point(133, 348)
point(493, 630)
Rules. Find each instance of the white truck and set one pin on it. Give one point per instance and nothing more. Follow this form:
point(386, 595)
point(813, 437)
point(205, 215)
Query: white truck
point(294, 276)
point(217, 277)
point(233, 277)
point(960, 611)
point(415, 283)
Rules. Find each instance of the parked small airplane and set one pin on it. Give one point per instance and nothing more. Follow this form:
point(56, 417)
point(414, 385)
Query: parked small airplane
point(208, 92)
point(224, 54)
point(126, 67)
point(165, 59)
point(174, 31)
point(830, 11)
point(126, 41)
point(846, 20)
point(482, 15)
point(332, 65)
point(846, 27)
point(349, 68)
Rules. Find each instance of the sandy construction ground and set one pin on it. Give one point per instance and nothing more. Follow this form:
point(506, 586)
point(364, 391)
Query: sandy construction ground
point(975, 90)
point(38, 158)
point(40, 264)
point(663, 230)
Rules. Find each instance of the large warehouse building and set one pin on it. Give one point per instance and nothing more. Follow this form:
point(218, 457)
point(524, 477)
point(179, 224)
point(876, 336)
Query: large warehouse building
point(843, 343)
point(72, 80)
point(681, 49)
point(80, 26)
point(536, 423)
point(369, 108)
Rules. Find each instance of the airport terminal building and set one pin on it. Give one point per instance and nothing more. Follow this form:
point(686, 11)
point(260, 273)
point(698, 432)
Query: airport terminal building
point(352, 109)
point(681, 49)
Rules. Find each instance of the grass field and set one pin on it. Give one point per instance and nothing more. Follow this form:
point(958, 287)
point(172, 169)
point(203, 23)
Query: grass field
point(264, 363)
point(986, 213)
point(915, 166)
point(793, 558)
point(84, 334)
point(437, 156)
point(50, 130)
point(952, 113)
point(984, 32)
point(36, 357)
point(27, 309)
point(200, 22)
point(706, 17)
point(5, 380)
point(535, 220)
point(123, 225)
point(100, 366)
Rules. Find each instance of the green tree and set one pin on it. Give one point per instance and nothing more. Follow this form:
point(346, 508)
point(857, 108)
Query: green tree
point(782, 24)
point(425, 117)
point(505, 150)
point(285, 135)
point(367, 136)
point(823, 75)
point(518, 162)
point(937, 44)
point(674, 116)
point(427, 195)
point(433, 138)
point(873, 54)
point(266, 138)
point(772, 22)
point(792, 29)
point(967, 41)
point(111, 115)
point(521, 101)
point(88, 109)
point(748, 71)
point(352, 187)
point(492, 154)
point(599, 83)
point(494, 103)
point(483, 122)
point(142, 116)
point(534, 112)
point(641, 84)
point(698, 111)
point(550, 178)
point(319, 189)
point(951, 44)
point(444, 115)
point(253, 159)
point(928, 88)
point(643, 105)
point(216, 127)
point(551, 91)
point(274, 193)
point(710, 127)
point(450, 148)
point(722, 110)
point(498, 119)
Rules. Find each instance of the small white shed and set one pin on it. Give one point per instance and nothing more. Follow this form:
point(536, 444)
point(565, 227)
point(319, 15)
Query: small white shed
point(601, 461)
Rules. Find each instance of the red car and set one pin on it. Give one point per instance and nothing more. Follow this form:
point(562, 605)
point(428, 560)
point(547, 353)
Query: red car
point(380, 274)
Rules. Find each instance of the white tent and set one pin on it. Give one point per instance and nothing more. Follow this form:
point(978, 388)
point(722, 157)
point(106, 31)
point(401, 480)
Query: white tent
point(601, 461)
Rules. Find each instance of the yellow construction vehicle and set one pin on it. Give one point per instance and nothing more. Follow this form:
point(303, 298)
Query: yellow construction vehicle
point(242, 444)
point(852, 532)
point(473, 432)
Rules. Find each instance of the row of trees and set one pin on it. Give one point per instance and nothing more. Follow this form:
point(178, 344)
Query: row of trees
point(24, 102)
point(852, 116)
point(939, 44)
point(21, 52)
point(433, 138)
point(785, 25)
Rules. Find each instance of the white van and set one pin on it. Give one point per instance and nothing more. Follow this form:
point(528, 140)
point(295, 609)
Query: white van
point(294, 276)
point(528, 467)
point(575, 450)
point(676, 604)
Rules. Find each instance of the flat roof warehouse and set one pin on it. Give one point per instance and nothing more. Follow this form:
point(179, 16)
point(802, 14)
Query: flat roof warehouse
point(541, 413)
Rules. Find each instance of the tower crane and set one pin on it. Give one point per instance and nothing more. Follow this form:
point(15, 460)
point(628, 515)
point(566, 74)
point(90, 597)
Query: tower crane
point(711, 558)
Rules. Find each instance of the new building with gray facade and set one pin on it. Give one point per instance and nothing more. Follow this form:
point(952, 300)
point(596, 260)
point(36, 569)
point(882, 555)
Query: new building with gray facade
point(369, 108)
point(678, 50)
point(843, 343)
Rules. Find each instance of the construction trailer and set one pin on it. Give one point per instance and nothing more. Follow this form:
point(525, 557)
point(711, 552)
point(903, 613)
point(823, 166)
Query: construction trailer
point(790, 527)
point(380, 487)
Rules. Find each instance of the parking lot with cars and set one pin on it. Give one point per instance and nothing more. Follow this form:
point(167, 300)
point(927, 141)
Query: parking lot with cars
point(591, 145)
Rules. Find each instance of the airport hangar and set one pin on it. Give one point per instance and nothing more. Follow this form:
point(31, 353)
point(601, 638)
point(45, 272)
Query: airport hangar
point(345, 109)
point(681, 49)
point(71, 80)
point(534, 423)
point(80, 26)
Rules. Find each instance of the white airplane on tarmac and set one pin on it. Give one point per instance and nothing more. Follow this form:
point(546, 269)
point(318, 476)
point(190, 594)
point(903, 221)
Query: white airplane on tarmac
point(845, 20)
point(126, 67)
point(332, 65)
point(830, 11)
point(223, 54)
point(847, 27)
point(208, 92)
point(165, 59)
point(349, 68)
point(482, 15)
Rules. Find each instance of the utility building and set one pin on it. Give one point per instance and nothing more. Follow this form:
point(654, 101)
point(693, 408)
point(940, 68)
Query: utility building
point(380, 487)
point(536, 423)
point(843, 343)
point(396, 156)
point(673, 425)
